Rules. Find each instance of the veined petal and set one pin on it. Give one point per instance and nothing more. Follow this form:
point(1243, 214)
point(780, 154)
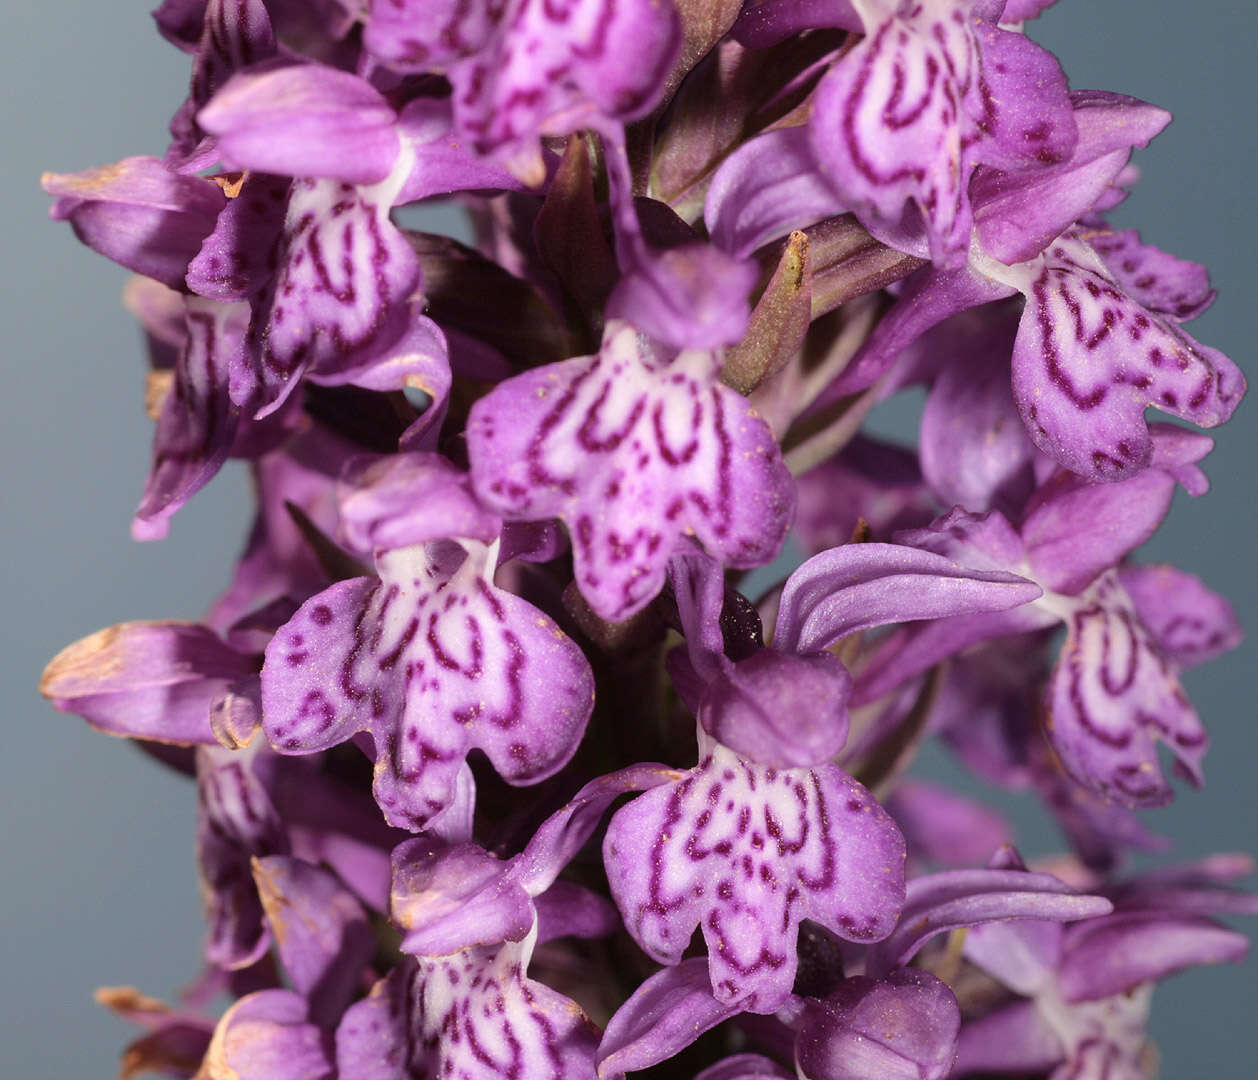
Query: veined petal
point(234, 34)
point(1028, 122)
point(548, 68)
point(146, 680)
point(1089, 359)
point(429, 35)
point(303, 715)
point(745, 852)
point(475, 1015)
point(1156, 280)
point(1189, 623)
point(891, 119)
point(199, 421)
point(433, 661)
point(139, 213)
point(632, 453)
point(860, 586)
point(345, 274)
point(929, 93)
point(1112, 695)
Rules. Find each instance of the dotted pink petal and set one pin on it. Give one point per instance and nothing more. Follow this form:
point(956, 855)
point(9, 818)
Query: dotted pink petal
point(744, 852)
point(432, 661)
point(633, 453)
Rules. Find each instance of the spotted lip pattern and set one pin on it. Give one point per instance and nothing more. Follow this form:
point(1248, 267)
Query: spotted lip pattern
point(432, 663)
point(746, 851)
point(633, 455)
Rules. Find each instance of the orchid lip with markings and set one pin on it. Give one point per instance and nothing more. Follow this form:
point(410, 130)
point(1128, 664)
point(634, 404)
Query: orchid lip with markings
point(633, 452)
point(517, 751)
point(1115, 688)
point(744, 852)
point(432, 658)
point(909, 113)
point(521, 69)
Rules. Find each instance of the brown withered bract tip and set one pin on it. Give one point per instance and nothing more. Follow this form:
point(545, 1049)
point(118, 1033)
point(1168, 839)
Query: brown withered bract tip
point(127, 999)
point(92, 657)
point(272, 897)
point(83, 184)
point(231, 183)
point(157, 388)
point(148, 1056)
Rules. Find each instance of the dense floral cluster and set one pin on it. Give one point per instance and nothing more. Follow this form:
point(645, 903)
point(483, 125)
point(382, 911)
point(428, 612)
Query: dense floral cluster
point(499, 773)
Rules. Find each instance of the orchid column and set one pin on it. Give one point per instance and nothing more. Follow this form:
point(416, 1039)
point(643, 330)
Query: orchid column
point(507, 496)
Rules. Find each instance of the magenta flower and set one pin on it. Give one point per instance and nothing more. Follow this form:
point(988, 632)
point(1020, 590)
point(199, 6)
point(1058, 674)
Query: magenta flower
point(517, 752)
point(633, 451)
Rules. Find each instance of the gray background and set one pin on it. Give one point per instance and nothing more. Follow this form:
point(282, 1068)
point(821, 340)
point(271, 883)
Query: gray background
point(98, 878)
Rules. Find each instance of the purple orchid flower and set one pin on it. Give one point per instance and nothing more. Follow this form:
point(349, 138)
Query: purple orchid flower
point(933, 91)
point(744, 852)
point(336, 291)
point(1115, 688)
point(432, 658)
point(1087, 986)
point(710, 237)
point(766, 830)
point(461, 1002)
point(521, 69)
point(909, 1017)
point(899, 125)
point(632, 451)
point(1089, 356)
